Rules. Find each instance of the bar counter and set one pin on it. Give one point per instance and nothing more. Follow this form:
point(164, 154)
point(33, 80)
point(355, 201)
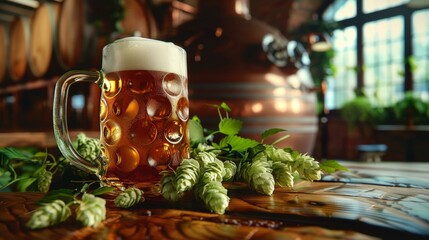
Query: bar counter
point(386, 200)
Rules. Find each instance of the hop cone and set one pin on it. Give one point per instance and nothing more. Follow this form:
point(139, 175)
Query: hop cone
point(283, 174)
point(258, 175)
point(213, 171)
point(230, 170)
point(168, 187)
point(206, 157)
point(88, 148)
point(307, 167)
point(49, 215)
point(277, 154)
point(128, 198)
point(92, 210)
point(44, 181)
point(214, 196)
point(187, 174)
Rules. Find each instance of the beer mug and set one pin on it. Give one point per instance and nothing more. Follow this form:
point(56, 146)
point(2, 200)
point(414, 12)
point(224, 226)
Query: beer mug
point(144, 111)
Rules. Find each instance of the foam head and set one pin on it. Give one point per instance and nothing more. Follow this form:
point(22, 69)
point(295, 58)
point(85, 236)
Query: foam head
point(136, 53)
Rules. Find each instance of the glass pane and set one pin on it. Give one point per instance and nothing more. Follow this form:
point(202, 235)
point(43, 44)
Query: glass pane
point(420, 20)
point(341, 86)
point(376, 5)
point(340, 10)
point(383, 57)
point(421, 53)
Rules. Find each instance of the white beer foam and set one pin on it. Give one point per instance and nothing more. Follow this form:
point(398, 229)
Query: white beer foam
point(134, 53)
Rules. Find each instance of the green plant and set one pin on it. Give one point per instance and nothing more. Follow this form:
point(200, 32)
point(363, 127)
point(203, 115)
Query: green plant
point(411, 109)
point(358, 111)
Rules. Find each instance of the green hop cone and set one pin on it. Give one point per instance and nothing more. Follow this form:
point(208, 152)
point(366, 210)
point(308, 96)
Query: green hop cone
point(307, 167)
point(258, 175)
point(283, 174)
point(213, 171)
point(168, 187)
point(206, 157)
point(187, 174)
point(49, 214)
point(214, 196)
point(230, 170)
point(88, 148)
point(44, 181)
point(128, 198)
point(92, 210)
point(277, 154)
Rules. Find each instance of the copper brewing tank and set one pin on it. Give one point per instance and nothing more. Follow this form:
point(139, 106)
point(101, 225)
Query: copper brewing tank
point(244, 62)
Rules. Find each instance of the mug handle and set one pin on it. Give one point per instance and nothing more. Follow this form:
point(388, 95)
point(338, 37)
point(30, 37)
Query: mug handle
point(60, 119)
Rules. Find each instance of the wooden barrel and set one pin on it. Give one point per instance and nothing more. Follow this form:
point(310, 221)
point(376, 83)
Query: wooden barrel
point(43, 32)
point(4, 52)
point(79, 43)
point(138, 19)
point(72, 33)
point(19, 36)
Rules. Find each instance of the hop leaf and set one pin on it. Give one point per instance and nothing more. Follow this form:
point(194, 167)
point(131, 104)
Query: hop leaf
point(49, 214)
point(128, 198)
point(258, 175)
point(92, 210)
point(44, 181)
point(307, 167)
point(230, 170)
point(168, 187)
point(187, 174)
point(214, 196)
point(283, 174)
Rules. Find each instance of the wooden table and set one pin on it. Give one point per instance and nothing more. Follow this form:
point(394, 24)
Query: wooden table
point(373, 200)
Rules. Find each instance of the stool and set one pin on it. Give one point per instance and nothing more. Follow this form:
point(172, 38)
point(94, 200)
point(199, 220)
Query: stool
point(371, 152)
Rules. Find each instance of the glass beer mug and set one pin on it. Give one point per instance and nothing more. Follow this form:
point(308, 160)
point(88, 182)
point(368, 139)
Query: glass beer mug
point(144, 111)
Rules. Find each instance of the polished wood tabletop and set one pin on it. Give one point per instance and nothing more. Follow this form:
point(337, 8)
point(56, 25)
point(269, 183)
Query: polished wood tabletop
point(371, 201)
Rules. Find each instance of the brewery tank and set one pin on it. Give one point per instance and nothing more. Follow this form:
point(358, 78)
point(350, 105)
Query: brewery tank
point(239, 60)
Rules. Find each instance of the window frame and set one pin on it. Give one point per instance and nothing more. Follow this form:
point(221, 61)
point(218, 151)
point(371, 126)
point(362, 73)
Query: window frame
point(359, 22)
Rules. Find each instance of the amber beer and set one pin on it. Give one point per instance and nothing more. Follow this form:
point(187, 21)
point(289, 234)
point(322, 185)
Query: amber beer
point(144, 110)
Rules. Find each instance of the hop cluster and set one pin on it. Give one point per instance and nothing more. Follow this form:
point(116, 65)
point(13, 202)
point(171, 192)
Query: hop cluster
point(44, 181)
point(49, 214)
point(128, 198)
point(92, 210)
point(307, 167)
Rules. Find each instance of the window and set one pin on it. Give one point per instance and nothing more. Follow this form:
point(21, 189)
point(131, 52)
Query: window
point(420, 60)
point(383, 42)
point(382, 48)
point(341, 88)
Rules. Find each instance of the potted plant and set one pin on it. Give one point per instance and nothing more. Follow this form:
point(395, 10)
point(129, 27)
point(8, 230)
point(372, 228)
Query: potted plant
point(411, 110)
point(359, 113)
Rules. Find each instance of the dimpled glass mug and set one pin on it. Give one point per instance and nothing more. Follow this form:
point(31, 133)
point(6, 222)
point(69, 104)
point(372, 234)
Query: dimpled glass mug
point(144, 111)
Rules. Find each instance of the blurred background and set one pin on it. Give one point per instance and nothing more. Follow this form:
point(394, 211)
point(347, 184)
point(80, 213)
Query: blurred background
point(347, 79)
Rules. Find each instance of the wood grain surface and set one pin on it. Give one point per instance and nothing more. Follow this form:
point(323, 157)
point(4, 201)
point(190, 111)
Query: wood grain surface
point(338, 207)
